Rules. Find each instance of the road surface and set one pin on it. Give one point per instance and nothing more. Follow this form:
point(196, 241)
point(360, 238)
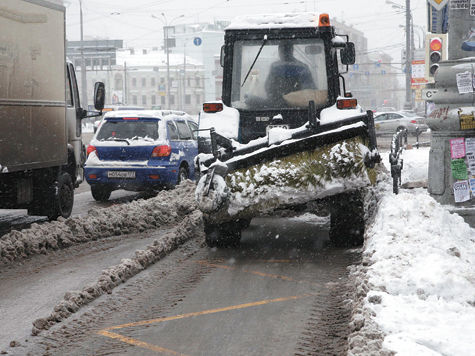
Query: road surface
point(282, 292)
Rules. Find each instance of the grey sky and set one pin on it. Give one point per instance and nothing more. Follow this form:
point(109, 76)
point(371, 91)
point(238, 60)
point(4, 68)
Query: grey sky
point(132, 20)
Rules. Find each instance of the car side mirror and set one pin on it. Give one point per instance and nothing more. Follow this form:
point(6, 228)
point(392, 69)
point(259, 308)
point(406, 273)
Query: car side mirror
point(99, 95)
point(348, 54)
point(221, 59)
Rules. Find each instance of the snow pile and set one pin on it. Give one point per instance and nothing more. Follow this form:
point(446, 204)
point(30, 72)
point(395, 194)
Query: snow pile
point(415, 164)
point(190, 226)
point(416, 282)
point(168, 207)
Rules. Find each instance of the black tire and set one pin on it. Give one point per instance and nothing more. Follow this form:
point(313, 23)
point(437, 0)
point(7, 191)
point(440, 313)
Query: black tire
point(224, 235)
point(56, 198)
point(100, 192)
point(182, 175)
point(347, 224)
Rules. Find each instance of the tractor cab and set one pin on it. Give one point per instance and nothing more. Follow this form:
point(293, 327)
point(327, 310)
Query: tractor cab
point(278, 70)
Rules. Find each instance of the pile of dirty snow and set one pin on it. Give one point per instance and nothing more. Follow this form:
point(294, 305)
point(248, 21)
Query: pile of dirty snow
point(190, 226)
point(416, 284)
point(168, 207)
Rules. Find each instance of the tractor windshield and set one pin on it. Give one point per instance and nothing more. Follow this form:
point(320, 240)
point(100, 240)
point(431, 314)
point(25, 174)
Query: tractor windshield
point(286, 74)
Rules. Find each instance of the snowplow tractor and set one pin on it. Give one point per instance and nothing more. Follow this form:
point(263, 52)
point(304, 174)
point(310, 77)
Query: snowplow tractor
point(286, 131)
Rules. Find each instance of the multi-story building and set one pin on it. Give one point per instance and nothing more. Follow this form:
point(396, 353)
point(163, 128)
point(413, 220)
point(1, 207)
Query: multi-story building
point(139, 76)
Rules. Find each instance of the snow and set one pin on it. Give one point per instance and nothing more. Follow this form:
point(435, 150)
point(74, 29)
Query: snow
point(333, 114)
point(263, 21)
point(168, 207)
point(278, 135)
point(313, 219)
point(94, 161)
point(225, 122)
point(417, 275)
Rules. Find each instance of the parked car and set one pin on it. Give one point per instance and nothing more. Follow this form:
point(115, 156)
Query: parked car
point(390, 122)
point(141, 151)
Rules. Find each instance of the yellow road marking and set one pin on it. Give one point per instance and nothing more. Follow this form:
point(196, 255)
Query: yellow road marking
point(210, 311)
point(135, 342)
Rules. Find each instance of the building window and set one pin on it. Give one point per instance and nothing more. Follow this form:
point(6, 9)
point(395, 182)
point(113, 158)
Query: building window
point(198, 99)
point(134, 99)
point(172, 99)
point(188, 80)
point(134, 82)
point(162, 80)
point(187, 99)
point(144, 82)
point(154, 100)
point(162, 100)
point(152, 82)
point(197, 82)
point(144, 100)
point(118, 82)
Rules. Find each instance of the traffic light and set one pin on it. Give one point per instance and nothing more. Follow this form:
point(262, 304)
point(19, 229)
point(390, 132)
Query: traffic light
point(436, 51)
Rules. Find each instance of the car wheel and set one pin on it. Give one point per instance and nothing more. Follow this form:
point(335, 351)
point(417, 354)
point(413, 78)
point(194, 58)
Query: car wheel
point(182, 175)
point(100, 193)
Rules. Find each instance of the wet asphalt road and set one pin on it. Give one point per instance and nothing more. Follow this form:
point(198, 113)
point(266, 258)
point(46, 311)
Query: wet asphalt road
point(282, 292)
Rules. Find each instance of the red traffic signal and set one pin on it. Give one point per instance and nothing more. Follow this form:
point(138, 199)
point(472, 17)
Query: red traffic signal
point(435, 44)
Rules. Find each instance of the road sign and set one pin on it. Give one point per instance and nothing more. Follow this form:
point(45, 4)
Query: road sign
point(418, 72)
point(197, 41)
point(427, 94)
point(438, 4)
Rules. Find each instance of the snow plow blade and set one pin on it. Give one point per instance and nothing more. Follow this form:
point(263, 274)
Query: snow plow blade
point(314, 162)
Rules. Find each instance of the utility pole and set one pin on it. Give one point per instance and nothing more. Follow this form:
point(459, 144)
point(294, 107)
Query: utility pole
point(125, 95)
point(167, 49)
point(408, 103)
point(83, 63)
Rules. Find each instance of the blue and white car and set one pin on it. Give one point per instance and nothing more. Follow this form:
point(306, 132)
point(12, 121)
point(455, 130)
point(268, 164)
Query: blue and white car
point(143, 150)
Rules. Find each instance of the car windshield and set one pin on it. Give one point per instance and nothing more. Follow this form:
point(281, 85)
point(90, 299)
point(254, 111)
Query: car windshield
point(128, 130)
point(286, 74)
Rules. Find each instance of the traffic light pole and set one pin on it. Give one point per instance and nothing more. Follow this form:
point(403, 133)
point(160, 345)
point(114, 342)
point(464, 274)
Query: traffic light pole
point(408, 103)
point(452, 120)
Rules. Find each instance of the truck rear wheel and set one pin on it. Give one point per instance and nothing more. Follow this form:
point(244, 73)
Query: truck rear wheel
point(224, 235)
point(53, 199)
point(347, 224)
point(100, 192)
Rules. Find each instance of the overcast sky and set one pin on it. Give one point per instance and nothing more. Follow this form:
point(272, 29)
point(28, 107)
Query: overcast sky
point(132, 21)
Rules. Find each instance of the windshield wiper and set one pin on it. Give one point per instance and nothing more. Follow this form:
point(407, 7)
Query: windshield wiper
point(255, 60)
point(119, 140)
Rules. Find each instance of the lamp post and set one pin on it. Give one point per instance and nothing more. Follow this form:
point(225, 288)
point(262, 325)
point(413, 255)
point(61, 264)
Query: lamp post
point(409, 35)
point(166, 29)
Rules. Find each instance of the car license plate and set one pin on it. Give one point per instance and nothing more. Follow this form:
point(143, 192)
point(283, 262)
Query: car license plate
point(274, 126)
point(121, 174)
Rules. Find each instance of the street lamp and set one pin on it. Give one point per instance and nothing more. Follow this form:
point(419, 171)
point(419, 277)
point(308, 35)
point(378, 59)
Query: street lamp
point(408, 105)
point(167, 48)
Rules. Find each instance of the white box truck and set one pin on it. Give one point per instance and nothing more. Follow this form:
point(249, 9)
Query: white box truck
point(41, 152)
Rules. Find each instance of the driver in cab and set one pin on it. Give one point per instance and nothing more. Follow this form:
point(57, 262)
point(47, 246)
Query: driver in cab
point(287, 75)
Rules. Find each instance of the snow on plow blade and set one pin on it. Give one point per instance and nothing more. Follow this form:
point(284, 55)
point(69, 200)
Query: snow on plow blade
point(315, 162)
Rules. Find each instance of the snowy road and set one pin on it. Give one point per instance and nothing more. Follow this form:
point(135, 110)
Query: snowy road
point(265, 297)
point(30, 290)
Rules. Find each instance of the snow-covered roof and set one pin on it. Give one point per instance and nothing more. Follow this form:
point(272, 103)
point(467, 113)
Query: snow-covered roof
point(292, 20)
point(152, 58)
point(145, 113)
